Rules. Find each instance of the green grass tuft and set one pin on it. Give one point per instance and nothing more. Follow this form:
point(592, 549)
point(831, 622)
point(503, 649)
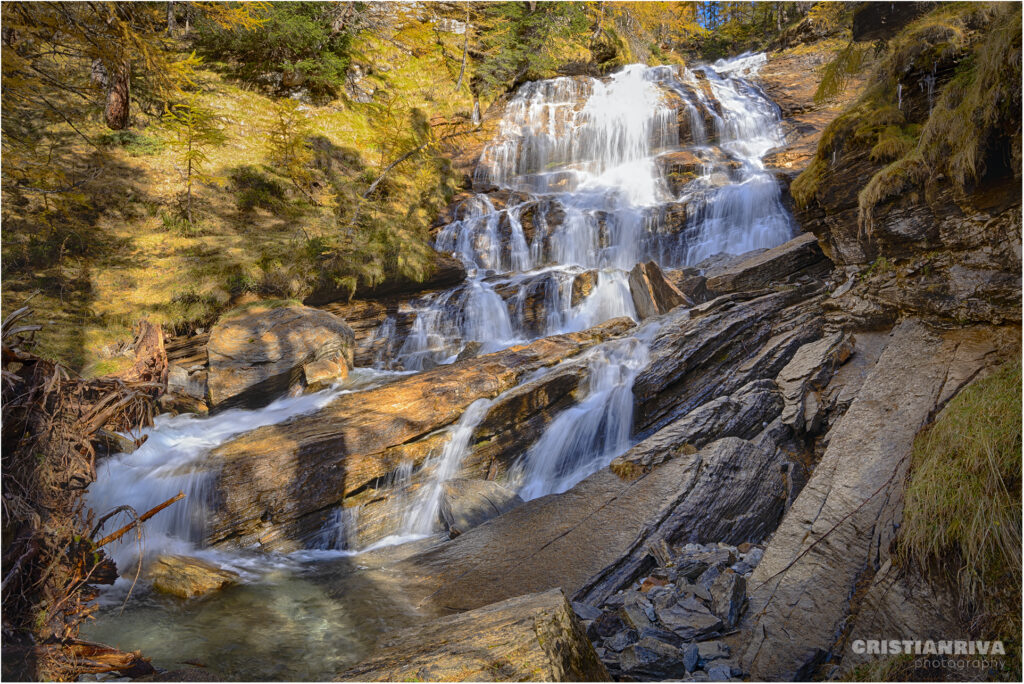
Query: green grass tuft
point(962, 517)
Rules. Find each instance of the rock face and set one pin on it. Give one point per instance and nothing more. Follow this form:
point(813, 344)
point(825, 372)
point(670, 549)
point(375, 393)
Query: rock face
point(736, 493)
point(468, 503)
point(901, 605)
point(528, 638)
point(187, 577)
point(257, 355)
point(600, 528)
point(743, 414)
point(778, 263)
point(806, 374)
point(652, 293)
point(713, 349)
point(841, 526)
point(276, 484)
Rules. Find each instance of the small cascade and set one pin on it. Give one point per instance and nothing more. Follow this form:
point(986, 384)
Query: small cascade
point(174, 458)
point(585, 438)
point(421, 517)
point(576, 180)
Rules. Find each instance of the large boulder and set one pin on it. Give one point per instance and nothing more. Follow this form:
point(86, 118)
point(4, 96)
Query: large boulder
point(536, 637)
point(187, 577)
point(278, 484)
point(257, 354)
point(841, 526)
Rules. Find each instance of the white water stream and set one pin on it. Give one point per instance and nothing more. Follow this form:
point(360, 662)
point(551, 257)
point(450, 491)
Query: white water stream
point(575, 181)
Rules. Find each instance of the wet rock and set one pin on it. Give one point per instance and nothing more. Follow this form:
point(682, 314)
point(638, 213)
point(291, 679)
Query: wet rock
point(729, 592)
point(583, 285)
point(774, 265)
point(557, 541)
point(518, 418)
point(652, 293)
point(652, 658)
point(858, 501)
point(528, 638)
point(468, 503)
point(358, 438)
point(258, 354)
point(187, 577)
point(743, 414)
point(735, 495)
point(471, 350)
point(690, 282)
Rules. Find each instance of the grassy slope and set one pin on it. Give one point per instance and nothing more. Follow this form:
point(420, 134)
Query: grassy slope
point(125, 259)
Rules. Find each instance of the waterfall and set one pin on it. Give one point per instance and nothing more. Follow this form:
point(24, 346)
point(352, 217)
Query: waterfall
point(173, 458)
point(586, 437)
point(576, 180)
point(572, 193)
point(421, 518)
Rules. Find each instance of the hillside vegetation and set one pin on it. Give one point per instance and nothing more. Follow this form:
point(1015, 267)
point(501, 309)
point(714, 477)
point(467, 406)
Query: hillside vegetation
point(169, 159)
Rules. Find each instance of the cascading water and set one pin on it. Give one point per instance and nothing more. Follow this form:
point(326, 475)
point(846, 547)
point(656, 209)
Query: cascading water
point(577, 180)
point(421, 517)
point(585, 438)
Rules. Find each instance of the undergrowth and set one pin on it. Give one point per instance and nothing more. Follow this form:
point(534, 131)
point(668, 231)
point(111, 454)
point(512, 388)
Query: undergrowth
point(963, 503)
point(968, 127)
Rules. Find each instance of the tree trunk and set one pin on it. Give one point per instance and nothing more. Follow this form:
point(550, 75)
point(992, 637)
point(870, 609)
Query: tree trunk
point(172, 24)
point(465, 52)
point(115, 113)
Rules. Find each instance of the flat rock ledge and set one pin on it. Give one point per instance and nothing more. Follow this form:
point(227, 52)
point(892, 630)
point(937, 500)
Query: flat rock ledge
point(535, 637)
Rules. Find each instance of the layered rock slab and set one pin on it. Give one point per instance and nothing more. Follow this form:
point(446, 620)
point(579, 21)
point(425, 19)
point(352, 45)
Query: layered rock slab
point(276, 484)
point(535, 637)
point(563, 540)
point(840, 528)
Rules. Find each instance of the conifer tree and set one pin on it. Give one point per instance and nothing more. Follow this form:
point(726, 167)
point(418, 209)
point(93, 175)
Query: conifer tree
point(195, 130)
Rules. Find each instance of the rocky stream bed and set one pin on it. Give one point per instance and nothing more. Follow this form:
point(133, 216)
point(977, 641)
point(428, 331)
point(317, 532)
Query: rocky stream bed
point(647, 422)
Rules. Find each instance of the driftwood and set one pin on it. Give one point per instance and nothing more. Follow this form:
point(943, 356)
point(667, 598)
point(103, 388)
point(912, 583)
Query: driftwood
point(51, 564)
point(114, 536)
